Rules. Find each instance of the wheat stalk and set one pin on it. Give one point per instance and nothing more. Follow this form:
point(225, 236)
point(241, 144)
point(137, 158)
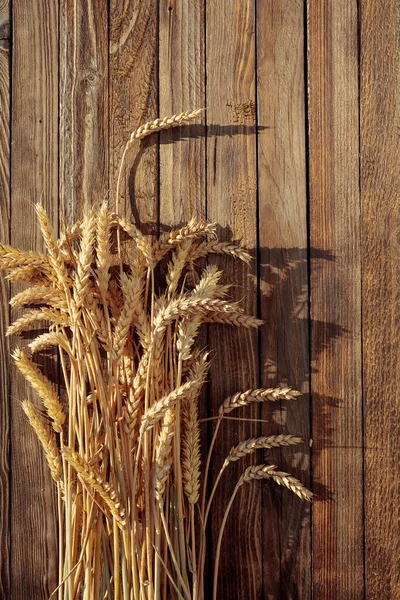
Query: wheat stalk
point(260, 395)
point(125, 311)
point(46, 439)
point(44, 388)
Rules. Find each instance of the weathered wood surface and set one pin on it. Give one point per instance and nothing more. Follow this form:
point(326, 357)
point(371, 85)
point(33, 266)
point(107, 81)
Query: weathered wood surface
point(380, 225)
point(297, 156)
point(4, 297)
point(335, 238)
point(34, 177)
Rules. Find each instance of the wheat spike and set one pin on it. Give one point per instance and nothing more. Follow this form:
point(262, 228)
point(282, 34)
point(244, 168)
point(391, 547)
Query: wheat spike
point(97, 482)
point(39, 295)
point(132, 289)
point(176, 266)
point(191, 461)
point(210, 309)
point(54, 253)
point(85, 258)
point(165, 123)
point(44, 388)
point(31, 317)
point(46, 438)
point(164, 455)
point(47, 340)
point(187, 390)
point(31, 275)
point(260, 395)
point(256, 472)
point(13, 258)
point(216, 247)
point(103, 249)
point(156, 412)
point(97, 318)
point(143, 243)
point(253, 444)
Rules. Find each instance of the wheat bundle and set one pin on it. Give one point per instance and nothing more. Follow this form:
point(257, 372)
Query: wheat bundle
point(122, 437)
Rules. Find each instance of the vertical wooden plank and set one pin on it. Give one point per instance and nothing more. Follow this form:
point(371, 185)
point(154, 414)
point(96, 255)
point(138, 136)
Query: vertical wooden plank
point(231, 202)
point(133, 75)
point(34, 177)
point(380, 188)
point(336, 380)
point(181, 87)
point(4, 297)
point(83, 106)
point(284, 284)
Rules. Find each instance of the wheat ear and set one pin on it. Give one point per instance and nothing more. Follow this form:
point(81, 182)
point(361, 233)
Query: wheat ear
point(259, 395)
point(164, 455)
point(156, 412)
point(13, 258)
point(44, 388)
point(216, 247)
point(39, 295)
point(165, 123)
point(85, 258)
point(253, 444)
point(46, 438)
point(104, 220)
point(255, 472)
point(31, 317)
point(191, 451)
point(52, 248)
point(97, 482)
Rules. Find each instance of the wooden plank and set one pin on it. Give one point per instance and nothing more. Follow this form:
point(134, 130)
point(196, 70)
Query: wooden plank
point(4, 297)
point(284, 285)
point(182, 150)
point(34, 176)
point(231, 202)
point(83, 106)
point(181, 87)
point(133, 74)
point(336, 380)
point(380, 189)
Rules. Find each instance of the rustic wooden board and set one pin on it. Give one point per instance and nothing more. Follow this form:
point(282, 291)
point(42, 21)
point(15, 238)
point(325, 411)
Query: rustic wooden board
point(34, 177)
point(281, 84)
point(284, 285)
point(133, 73)
point(380, 186)
point(4, 297)
point(336, 377)
point(83, 106)
point(231, 202)
point(181, 87)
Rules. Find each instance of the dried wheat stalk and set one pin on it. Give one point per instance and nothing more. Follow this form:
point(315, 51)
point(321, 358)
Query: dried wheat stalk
point(123, 444)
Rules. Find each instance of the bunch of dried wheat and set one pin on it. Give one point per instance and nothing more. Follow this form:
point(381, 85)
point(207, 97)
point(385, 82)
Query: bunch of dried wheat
point(122, 438)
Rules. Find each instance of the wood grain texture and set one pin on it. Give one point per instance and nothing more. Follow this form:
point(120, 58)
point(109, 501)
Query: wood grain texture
point(336, 380)
point(85, 74)
point(34, 177)
point(380, 186)
point(181, 87)
point(284, 285)
point(133, 60)
point(4, 297)
point(83, 106)
point(231, 202)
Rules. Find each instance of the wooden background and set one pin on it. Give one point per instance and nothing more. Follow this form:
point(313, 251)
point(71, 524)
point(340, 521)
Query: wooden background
point(298, 156)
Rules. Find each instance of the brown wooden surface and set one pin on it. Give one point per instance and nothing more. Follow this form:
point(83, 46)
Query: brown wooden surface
point(380, 222)
point(336, 369)
point(297, 155)
point(4, 296)
point(34, 177)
